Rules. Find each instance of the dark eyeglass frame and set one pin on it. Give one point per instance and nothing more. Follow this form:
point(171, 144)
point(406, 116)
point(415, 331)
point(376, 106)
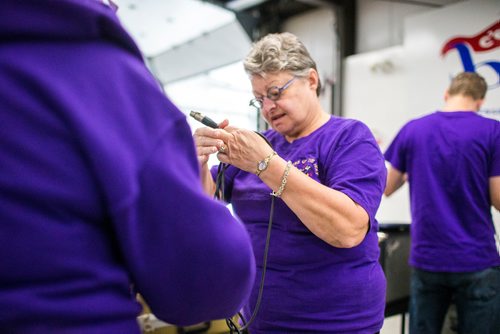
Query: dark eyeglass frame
point(273, 93)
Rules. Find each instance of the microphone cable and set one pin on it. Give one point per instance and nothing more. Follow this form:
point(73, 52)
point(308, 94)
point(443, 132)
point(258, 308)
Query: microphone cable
point(233, 327)
point(219, 194)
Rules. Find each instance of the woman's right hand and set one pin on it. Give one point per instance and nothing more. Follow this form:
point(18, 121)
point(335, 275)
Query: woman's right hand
point(208, 141)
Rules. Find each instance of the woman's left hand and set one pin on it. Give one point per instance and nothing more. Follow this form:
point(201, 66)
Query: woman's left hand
point(244, 149)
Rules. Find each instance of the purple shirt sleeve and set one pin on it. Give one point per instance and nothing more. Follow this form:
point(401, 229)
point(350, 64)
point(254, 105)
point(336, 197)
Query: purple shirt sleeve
point(355, 166)
point(185, 250)
point(396, 152)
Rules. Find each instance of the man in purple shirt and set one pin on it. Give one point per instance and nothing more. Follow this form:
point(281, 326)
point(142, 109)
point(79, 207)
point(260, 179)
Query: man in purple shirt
point(100, 192)
point(451, 159)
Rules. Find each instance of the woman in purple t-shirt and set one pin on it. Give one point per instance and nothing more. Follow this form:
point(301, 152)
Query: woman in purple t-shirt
point(327, 177)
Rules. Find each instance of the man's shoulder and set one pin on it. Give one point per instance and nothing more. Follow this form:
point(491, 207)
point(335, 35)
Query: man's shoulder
point(421, 121)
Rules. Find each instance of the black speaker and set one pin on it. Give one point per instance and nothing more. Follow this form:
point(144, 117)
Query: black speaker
point(394, 242)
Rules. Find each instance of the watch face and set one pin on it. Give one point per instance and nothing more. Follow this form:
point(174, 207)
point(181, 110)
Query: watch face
point(262, 165)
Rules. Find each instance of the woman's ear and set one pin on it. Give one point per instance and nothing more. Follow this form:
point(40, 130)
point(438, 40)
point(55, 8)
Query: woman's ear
point(313, 79)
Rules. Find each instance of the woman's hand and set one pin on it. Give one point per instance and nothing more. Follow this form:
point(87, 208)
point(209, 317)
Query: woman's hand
point(208, 141)
point(244, 148)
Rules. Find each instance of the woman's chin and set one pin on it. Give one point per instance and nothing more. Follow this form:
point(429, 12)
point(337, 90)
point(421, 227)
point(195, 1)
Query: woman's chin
point(278, 124)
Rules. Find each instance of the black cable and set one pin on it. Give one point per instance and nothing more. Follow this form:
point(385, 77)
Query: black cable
point(219, 194)
point(264, 267)
point(219, 181)
point(242, 318)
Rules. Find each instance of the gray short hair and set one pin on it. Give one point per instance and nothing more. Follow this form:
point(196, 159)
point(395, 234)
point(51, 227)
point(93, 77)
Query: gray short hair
point(280, 52)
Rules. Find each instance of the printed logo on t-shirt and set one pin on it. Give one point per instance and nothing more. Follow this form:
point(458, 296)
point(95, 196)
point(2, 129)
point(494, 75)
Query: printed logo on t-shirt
point(308, 166)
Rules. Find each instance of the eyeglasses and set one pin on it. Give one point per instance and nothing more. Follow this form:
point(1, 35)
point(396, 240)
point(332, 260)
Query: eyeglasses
point(273, 94)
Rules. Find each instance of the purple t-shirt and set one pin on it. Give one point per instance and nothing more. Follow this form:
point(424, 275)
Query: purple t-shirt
point(311, 286)
point(449, 158)
point(98, 182)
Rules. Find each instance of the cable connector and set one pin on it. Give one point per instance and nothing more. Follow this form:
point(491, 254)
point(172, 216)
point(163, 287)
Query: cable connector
point(203, 119)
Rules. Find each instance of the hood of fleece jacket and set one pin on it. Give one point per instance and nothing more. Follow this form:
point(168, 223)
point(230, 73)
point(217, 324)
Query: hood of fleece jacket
point(70, 20)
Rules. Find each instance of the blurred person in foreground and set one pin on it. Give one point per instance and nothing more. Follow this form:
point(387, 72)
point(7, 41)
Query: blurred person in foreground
point(100, 188)
point(327, 176)
point(451, 159)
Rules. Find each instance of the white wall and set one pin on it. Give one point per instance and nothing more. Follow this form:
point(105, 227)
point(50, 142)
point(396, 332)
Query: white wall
point(316, 29)
point(375, 92)
point(430, 72)
point(380, 23)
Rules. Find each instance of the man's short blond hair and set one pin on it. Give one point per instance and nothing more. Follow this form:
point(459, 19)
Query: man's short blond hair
point(468, 84)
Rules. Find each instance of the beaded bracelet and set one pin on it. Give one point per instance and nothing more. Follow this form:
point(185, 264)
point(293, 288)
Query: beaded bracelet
point(283, 180)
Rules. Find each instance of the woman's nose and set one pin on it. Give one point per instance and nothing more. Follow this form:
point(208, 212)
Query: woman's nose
point(268, 104)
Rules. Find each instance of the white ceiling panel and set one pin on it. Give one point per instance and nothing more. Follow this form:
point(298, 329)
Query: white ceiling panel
point(220, 47)
point(159, 25)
